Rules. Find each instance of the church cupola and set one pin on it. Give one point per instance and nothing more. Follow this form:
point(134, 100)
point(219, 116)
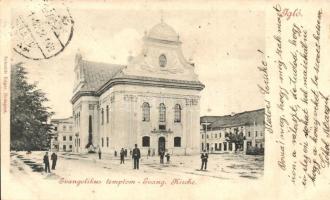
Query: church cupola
point(163, 32)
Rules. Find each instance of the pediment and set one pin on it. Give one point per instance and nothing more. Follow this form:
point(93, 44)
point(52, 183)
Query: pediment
point(161, 62)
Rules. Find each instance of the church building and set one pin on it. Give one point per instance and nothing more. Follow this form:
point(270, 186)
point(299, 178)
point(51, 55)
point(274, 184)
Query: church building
point(153, 101)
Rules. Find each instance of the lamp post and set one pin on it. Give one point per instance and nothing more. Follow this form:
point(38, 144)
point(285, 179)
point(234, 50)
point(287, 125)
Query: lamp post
point(206, 124)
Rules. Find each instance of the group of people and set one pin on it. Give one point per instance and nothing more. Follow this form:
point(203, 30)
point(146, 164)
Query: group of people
point(53, 157)
point(136, 155)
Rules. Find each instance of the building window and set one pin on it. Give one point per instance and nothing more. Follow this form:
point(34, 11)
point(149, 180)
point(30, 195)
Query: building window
point(70, 147)
point(102, 116)
point(177, 113)
point(207, 136)
point(145, 141)
point(256, 133)
point(249, 134)
point(107, 114)
point(216, 146)
point(220, 147)
point(202, 136)
point(146, 112)
point(64, 128)
point(107, 141)
point(55, 128)
point(70, 138)
point(177, 142)
point(225, 146)
point(220, 135)
point(102, 142)
point(64, 138)
point(79, 142)
point(64, 147)
point(162, 113)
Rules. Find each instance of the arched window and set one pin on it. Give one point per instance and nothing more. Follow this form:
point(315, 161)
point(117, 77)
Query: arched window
point(102, 116)
point(177, 142)
point(107, 114)
point(107, 141)
point(146, 112)
point(102, 142)
point(146, 141)
point(162, 113)
point(177, 113)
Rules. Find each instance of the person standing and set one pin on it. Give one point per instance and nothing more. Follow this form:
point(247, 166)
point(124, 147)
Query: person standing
point(46, 161)
point(53, 157)
point(167, 157)
point(136, 156)
point(122, 156)
point(100, 153)
point(148, 152)
point(161, 155)
point(204, 157)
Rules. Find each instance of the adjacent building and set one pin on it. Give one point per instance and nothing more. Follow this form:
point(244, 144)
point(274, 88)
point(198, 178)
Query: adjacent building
point(237, 132)
point(153, 101)
point(62, 136)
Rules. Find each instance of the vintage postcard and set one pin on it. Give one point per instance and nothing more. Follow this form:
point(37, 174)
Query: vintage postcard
point(165, 99)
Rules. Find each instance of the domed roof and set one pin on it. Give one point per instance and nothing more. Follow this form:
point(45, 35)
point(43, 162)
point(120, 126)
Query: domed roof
point(163, 31)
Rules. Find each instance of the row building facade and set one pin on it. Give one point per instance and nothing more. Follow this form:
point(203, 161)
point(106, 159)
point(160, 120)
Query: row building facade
point(62, 135)
point(242, 132)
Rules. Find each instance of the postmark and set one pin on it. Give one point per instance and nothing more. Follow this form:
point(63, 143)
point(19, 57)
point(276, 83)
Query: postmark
point(43, 31)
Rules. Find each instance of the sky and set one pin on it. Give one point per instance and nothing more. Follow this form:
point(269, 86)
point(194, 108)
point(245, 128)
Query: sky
point(222, 43)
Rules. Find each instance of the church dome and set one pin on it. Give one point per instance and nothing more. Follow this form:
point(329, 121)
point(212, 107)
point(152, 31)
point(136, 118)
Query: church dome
point(163, 31)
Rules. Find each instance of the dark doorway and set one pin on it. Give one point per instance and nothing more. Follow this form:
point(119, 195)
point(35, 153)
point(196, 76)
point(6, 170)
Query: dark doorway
point(161, 144)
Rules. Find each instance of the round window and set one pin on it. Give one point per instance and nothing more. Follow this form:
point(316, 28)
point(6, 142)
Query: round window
point(162, 60)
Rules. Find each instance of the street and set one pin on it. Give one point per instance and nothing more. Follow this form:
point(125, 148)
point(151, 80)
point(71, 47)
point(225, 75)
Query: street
point(83, 172)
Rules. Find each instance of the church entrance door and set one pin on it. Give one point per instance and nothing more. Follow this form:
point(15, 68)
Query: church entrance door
point(161, 144)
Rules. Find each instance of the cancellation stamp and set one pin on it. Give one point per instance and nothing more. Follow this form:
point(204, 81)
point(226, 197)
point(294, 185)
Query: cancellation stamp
point(43, 31)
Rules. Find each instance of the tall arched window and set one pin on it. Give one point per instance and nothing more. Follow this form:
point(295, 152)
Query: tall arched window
point(107, 114)
point(177, 142)
point(146, 112)
point(146, 141)
point(177, 113)
point(102, 116)
point(162, 113)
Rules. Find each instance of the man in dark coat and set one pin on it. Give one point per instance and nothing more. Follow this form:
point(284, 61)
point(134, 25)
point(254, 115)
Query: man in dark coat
point(136, 156)
point(122, 156)
point(204, 157)
point(161, 155)
point(46, 161)
point(100, 153)
point(148, 152)
point(167, 157)
point(53, 157)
